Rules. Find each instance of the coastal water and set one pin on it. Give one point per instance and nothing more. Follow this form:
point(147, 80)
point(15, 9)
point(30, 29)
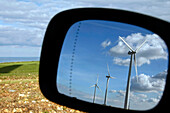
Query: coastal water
point(18, 59)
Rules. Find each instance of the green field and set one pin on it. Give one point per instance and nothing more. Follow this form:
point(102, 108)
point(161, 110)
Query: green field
point(19, 70)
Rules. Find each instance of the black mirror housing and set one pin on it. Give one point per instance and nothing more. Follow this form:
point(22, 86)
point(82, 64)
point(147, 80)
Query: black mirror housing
point(53, 41)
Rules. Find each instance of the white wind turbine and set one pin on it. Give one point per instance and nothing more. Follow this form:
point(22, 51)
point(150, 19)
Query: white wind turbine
point(95, 85)
point(108, 77)
point(131, 52)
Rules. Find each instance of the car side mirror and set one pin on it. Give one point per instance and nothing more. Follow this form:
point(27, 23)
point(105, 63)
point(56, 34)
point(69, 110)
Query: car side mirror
point(99, 60)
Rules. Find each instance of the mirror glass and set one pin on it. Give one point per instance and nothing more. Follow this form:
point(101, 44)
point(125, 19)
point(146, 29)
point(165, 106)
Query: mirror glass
point(113, 64)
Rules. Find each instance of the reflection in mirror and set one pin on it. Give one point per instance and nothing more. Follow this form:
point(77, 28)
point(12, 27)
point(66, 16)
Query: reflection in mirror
point(113, 64)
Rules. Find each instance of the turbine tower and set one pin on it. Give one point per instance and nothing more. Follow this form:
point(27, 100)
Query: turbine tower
point(108, 77)
point(95, 85)
point(131, 52)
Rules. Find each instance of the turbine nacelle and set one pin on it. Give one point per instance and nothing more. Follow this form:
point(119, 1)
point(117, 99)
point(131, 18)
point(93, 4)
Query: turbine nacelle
point(95, 85)
point(107, 76)
point(110, 77)
point(131, 52)
point(109, 73)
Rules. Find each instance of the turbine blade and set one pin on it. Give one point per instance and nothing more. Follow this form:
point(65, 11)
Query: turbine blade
point(93, 86)
point(112, 77)
point(140, 46)
point(135, 62)
point(97, 79)
point(108, 70)
point(126, 43)
point(99, 88)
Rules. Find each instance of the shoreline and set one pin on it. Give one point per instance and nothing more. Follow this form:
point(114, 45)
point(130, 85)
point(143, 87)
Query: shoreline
point(17, 62)
point(18, 59)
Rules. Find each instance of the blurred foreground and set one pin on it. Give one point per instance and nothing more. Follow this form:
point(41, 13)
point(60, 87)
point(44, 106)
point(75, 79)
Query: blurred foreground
point(22, 94)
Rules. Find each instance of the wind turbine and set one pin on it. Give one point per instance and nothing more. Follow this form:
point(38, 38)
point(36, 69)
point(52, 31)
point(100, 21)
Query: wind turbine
point(131, 52)
point(95, 85)
point(108, 77)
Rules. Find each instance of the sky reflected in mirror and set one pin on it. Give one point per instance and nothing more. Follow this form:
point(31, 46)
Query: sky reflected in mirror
point(95, 50)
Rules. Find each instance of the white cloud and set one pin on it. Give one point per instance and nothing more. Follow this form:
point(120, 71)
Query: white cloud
point(10, 35)
point(112, 91)
point(151, 100)
point(154, 48)
point(22, 23)
point(119, 61)
point(142, 95)
point(161, 75)
point(155, 100)
point(105, 43)
point(147, 83)
point(121, 93)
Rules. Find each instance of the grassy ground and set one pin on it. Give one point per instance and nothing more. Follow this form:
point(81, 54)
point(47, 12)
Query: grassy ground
point(19, 70)
point(19, 90)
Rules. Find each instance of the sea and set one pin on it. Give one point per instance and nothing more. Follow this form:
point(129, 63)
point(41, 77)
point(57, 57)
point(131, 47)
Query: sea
point(18, 59)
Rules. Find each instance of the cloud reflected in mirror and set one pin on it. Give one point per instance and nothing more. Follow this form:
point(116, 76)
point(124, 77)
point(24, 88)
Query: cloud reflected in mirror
point(113, 64)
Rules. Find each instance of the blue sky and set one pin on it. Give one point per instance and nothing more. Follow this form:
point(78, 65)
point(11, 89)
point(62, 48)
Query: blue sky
point(23, 24)
point(97, 45)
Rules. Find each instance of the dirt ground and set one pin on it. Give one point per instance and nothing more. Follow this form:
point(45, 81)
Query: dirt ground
point(24, 96)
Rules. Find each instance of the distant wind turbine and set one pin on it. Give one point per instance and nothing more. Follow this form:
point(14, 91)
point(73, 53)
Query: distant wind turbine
point(95, 85)
point(131, 52)
point(108, 77)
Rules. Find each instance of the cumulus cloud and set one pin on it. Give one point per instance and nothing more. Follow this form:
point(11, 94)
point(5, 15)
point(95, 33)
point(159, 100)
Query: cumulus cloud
point(121, 93)
point(155, 100)
point(112, 91)
point(22, 23)
point(153, 49)
point(105, 43)
point(142, 95)
point(10, 35)
point(119, 61)
point(147, 83)
point(151, 100)
point(161, 75)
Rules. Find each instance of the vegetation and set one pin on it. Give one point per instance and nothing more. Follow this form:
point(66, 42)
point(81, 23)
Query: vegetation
point(19, 70)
